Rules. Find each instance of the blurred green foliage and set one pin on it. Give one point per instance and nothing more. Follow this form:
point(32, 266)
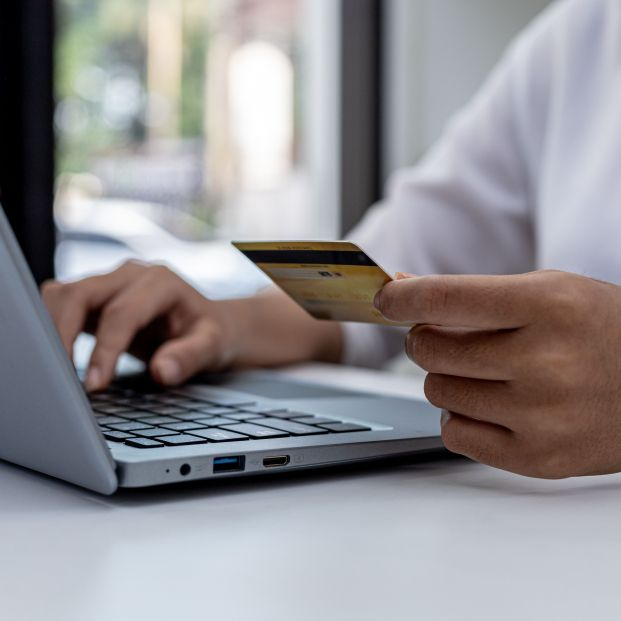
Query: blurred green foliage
point(107, 37)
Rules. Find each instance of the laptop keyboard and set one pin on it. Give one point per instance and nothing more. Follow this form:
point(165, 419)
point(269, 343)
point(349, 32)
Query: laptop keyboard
point(172, 419)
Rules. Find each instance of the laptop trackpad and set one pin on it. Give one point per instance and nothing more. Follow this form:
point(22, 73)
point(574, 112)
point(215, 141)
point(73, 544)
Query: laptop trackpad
point(273, 387)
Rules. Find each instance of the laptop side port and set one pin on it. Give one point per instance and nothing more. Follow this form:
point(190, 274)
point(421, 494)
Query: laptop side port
point(233, 463)
point(276, 460)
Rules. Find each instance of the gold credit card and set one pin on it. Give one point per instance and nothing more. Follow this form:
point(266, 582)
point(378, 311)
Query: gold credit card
point(331, 280)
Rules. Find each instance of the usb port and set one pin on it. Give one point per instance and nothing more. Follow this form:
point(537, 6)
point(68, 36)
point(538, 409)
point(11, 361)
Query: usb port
point(276, 460)
point(235, 463)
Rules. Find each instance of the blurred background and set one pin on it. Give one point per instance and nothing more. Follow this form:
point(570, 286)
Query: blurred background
point(162, 129)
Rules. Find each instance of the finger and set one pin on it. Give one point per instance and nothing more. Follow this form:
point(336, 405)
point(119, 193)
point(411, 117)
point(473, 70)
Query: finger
point(486, 401)
point(67, 310)
point(466, 353)
point(489, 302)
point(122, 318)
point(179, 359)
point(483, 442)
point(69, 304)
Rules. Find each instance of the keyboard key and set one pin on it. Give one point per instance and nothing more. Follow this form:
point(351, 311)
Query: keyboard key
point(191, 404)
point(263, 409)
point(344, 427)
point(171, 399)
point(124, 392)
point(182, 440)
point(189, 416)
point(214, 421)
point(142, 404)
point(153, 433)
point(255, 431)
point(219, 435)
point(98, 404)
point(232, 402)
point(113, 409)
point(167, 409)
point(107, 420)
point(158, 420)
point(131, 426)
point(244, 416)
point(138, 414)
point(185, 426)
point(143, 443)
point(285, 414)
point(100, 398)
point(117, 436)
point(214, 411)
point(124, 401)
point(295, 429)
point(315, 420)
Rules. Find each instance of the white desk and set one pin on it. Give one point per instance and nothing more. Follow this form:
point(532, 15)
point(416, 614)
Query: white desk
point(439, 540)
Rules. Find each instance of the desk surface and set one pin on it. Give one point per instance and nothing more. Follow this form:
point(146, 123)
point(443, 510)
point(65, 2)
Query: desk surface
point(443, 539)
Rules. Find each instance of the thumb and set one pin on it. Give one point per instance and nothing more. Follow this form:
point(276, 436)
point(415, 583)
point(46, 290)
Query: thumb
point(404, 275)
point(179, 359)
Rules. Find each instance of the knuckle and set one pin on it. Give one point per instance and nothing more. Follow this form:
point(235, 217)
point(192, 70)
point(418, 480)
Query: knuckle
point(557, 371)
point(49, 288)
point(551, 465)
point(457, 394)
point(162, 275)
point(131, 265)
point(116, 313)
point(457, 440)
point(423, 347)
point(73, 292)
point(486, 454)
point(103, 356)
point(555, 422)
point(567, 295)
point(389, 301)
point(66, 293)
point(435, 295)
point(160, 270)
point(451, 435)
point(435, 390)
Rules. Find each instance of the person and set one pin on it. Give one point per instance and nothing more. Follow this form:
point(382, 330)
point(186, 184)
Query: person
point(512, 227)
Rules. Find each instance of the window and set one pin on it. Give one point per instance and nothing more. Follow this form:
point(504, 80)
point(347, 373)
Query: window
point(181, 122)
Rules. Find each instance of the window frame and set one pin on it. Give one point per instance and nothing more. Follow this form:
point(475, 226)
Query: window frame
point(26, 129)
point(361, 62)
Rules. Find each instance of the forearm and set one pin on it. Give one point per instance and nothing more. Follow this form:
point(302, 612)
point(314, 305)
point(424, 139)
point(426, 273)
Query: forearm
point(270, 330)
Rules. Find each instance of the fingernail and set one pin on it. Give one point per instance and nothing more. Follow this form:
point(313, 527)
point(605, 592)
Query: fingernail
point(93, 379)
point(169, 371)
point(444, 417)
point(403, 275)
point(409, 345)
point(377, 299)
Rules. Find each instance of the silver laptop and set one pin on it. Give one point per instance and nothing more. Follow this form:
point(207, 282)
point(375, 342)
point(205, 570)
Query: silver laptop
point(138, 435)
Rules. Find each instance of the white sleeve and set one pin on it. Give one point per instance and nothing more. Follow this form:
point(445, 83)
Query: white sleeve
point(468, 206)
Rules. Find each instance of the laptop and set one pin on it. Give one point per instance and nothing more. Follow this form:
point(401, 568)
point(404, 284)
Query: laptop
point(137, 434)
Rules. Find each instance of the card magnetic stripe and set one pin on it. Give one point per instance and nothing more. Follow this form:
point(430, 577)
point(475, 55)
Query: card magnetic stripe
point(310, 257)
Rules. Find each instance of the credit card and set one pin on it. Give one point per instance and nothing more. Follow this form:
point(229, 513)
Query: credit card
point(335, 281)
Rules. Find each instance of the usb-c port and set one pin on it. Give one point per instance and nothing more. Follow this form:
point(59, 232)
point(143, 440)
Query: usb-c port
point(276, 460)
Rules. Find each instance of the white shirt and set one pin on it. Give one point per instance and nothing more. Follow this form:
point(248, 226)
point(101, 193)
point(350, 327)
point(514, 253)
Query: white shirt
point(527, 177)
